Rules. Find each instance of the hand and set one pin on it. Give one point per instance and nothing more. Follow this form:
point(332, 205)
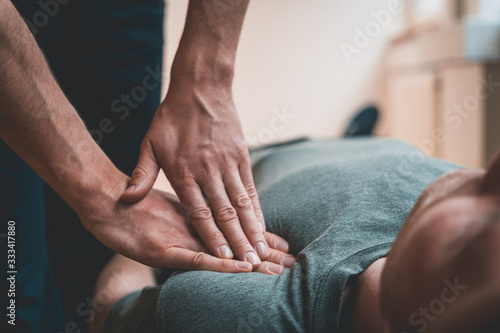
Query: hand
point(277, 260)
point(155, 232)
point(197, 140)
point(132, 276)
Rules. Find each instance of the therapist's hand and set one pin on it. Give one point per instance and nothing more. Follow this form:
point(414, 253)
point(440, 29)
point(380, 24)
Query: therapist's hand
point(197, 140)
point(155, 232)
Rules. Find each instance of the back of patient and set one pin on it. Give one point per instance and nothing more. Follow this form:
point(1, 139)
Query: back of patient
point(339, 204)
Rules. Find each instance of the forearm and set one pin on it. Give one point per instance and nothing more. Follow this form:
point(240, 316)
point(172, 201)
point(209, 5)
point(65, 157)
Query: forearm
point(207, 49)
point(39, 123)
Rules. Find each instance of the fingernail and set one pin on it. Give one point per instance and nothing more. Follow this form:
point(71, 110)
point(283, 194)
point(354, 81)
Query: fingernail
point(281, 245)
point(252, 258)
point(243, 265)
point(226, 251)
point(131, 188)
point(288, 261)
point(276, 269)
point(262, 249)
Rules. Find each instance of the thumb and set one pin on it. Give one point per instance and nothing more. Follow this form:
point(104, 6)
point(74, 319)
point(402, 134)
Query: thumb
point(143, 176)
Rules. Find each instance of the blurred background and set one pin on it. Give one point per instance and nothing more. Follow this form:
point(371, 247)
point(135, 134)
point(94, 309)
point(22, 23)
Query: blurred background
point(305, 67)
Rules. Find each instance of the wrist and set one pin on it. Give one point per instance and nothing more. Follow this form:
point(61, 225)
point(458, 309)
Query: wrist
point(96, 191)
point(202, 68)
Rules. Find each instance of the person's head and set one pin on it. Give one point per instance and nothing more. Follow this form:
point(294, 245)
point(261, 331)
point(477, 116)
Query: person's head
point(442, 273)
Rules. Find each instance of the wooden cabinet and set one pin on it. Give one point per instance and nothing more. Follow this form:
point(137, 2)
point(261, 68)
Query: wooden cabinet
point(412, 94)
point(439, 101)
point(461, 115)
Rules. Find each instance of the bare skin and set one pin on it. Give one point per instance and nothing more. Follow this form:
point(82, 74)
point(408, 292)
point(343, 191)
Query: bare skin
point(196, 137)
point(41, 126)
point(120, 276)
point(449, 239)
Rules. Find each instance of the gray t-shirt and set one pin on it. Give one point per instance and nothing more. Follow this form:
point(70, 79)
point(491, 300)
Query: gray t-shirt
point(339, 204)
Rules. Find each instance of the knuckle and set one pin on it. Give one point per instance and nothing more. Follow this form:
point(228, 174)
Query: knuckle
point(241, 242)
point(145, 144)
point(182, 172)
point(227, 162)
point(242, 154)
point(243, 201)
point(184, 187)
point(261, 269)
point(226, 214)
point(201, 214)
point(251, 191)
point(198, 259)
point(275, 257)
point(139, 171)
point(156, 251)
point(255, 234)
point(211, 188)
point(214, 238)
point(207, 161)
point(259, 214)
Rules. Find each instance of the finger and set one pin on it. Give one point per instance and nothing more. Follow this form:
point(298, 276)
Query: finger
point(200, 216)
point(228, 222)
point(184, 259)
point(143, 176)
point(276, 242)
point(270, 268)
point(247, 219)
point(248, 183)
point(281, 258)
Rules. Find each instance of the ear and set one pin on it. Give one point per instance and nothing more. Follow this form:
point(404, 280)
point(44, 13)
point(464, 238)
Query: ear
point(491, 182)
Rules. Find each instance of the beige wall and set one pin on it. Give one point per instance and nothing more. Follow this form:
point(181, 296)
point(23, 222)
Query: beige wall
point(289, 60)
